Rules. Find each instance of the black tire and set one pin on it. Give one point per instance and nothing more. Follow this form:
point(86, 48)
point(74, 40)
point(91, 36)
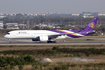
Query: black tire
point(47, 41)
point(51, 41)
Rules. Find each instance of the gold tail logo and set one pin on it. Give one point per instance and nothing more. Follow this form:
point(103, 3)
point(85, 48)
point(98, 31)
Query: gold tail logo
point(91, 25)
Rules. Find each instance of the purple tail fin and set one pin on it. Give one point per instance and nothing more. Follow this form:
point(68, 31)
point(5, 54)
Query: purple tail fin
point(91, 25)
point(89, 28)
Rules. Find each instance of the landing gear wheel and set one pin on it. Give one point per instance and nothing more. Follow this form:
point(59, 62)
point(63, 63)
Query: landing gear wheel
point(47, 41)
point(51, 41)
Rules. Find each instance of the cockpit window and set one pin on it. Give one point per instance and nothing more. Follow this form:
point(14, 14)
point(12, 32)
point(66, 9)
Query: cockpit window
point(8, 33)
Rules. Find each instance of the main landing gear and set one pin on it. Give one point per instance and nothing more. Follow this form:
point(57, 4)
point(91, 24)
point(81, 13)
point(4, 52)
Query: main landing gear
point(51, 41)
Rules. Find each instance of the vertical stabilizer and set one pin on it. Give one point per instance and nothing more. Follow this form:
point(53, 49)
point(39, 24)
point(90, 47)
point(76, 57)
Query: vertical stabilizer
point(89, 28)
point(91, 25)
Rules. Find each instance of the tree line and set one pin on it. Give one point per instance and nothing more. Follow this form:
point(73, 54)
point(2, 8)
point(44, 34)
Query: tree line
point(65, 23)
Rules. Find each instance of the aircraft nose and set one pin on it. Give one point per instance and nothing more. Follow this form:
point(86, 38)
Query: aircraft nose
point(5, 36)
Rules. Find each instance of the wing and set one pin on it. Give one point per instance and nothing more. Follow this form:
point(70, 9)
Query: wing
point(55, 36)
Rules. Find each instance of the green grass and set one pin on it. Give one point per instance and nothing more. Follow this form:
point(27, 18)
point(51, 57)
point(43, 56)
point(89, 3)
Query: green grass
point(50, 46)
point(56, 51)
point(19, 59)
point(10, 63)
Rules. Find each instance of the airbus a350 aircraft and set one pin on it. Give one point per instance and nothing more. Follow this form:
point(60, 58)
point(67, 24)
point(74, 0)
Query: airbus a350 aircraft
point(50, 36)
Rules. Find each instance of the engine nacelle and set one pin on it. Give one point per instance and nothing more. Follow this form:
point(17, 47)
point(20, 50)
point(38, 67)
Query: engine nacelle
point(41, 38)
point(36, 39)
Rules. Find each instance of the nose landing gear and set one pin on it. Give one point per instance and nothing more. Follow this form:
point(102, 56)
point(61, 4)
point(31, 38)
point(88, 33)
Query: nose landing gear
point(9, 40)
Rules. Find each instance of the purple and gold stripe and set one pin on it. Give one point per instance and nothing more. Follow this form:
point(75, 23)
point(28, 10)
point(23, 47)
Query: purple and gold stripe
point(68, 32)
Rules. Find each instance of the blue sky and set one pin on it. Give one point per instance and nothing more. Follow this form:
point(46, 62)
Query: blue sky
point(51, 6)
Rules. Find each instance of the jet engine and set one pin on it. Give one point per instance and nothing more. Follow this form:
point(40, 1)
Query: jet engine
point(40, 38)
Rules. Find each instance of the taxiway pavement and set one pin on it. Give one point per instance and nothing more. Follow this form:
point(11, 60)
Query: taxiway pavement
point(4, 41)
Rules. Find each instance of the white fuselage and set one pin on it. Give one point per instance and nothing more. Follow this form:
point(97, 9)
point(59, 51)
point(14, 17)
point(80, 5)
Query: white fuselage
point(30, 34)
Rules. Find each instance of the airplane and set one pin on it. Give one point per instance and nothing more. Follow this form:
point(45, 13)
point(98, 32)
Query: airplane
point(50, 36)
